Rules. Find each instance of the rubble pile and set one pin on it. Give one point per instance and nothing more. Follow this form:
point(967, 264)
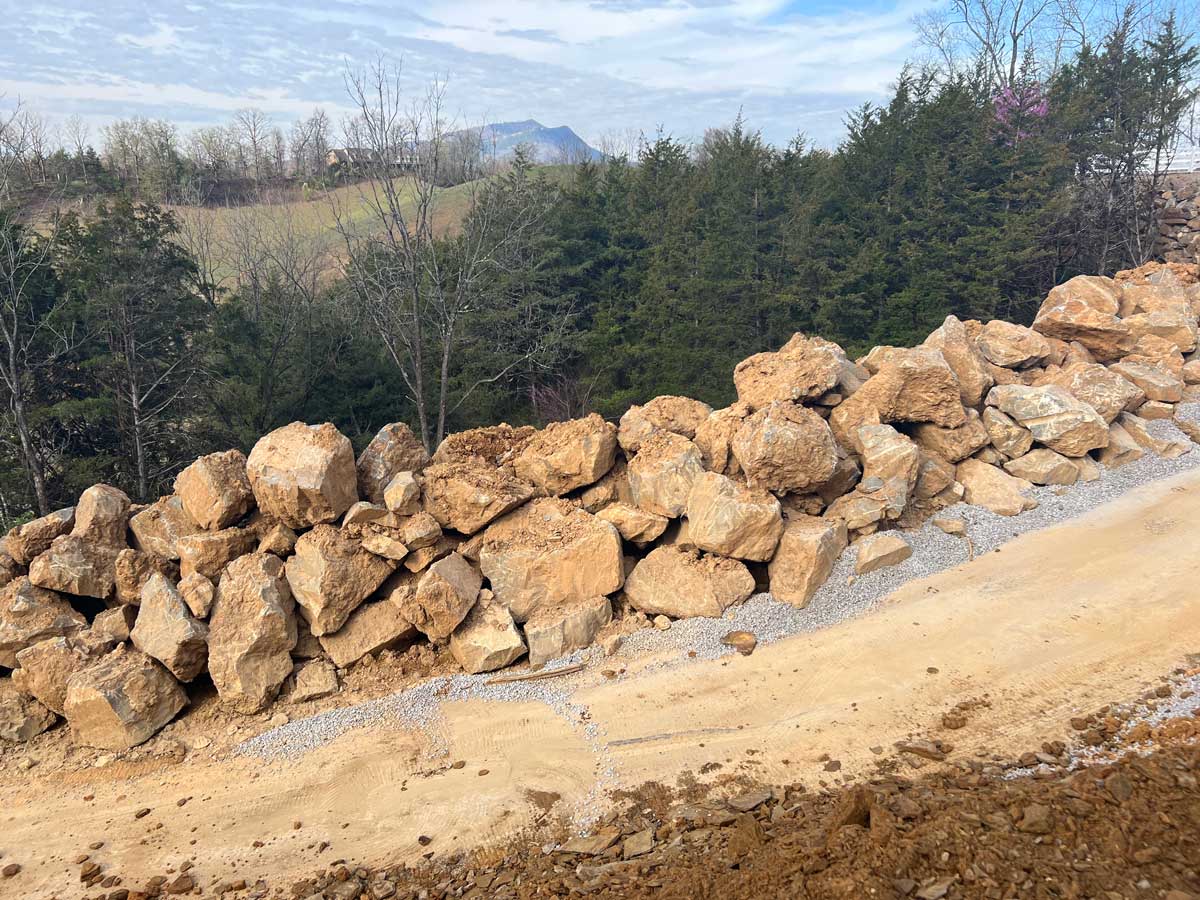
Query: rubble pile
point(271, 572)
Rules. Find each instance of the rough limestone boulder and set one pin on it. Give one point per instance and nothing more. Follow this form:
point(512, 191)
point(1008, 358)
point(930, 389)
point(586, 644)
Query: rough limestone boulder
point(207, 553)
point(75, 565)
point(891, 464)
point(1086, 309)
point(494, 445)
point(487, 639)
point(802, 371)
point(786, 448)
point(371, 628)
point(807, 552)
point(1009, 438)
point(964, 359)
point(330, 575)
point(1043, 466)
point(1156, 382)
point(878, 551)
point(612, 488)
point(1104, 390)
point(731, 519)
point(166, 630)
point(251, 632)
point(26, 542)
point(714, 437)
point(1053, 416)
point(102, 516)
point(911, 386)
point(662, 473)
point(402, 496)
point(678, 583)
point(953, 444)
point(47, 666)
point(158, 528)
point(393, 450)
point(1137, 428)
point(215, 490)
point(121, 701)
point(114, 625)
point(568, 455)
point(443, 596)
point(314, 680)
point(303, 475)
point(467, 495)
point(1121, 449)
point(677, 415)
point(133, 570)
point(22, 718)
point(1012, 346)
point(633, 523)
point(562, 627)
point(548, 552)
point(29, 614)
point(9, 568)
point(1176, 326)
point(934, 475)
point(198, 593)
point(993, 489)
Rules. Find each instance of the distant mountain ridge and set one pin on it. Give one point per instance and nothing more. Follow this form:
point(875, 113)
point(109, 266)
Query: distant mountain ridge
point(548, 145)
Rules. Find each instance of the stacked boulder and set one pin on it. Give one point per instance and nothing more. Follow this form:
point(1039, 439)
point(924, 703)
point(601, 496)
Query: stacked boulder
point(1177, 217)
point(272, 572)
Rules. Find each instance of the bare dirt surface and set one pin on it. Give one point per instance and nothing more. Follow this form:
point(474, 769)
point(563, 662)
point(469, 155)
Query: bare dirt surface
point(996, 657)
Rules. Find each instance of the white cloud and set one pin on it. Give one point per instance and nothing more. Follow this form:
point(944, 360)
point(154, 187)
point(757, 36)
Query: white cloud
point(163, 39)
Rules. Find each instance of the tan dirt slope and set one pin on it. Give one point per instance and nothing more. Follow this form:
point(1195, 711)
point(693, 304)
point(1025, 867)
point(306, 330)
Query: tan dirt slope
point(1056, 622)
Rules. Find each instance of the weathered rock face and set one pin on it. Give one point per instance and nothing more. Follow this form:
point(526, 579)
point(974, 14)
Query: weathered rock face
point(26, 542)
point(633, 523)
point(102, 515)
point(371, 628)
point(1012, 346)
point(993, 489)
point(1042, 466)
point(934, 475)
point(214, 490)
point(303, 475)
point(1103, 389)
point(1155, 382)
point(114, 625)
point(891, 464)
point(121, 701)
point(953, 444)
point(393, 450)
point(48, 665)
point(29, 614)
point(964, 359)
point(9, 568)
point(487, 639)
point(495, 445)
point(133, 570)
point(563, 627)
point(548, 552)
point(714, 437)
point(198, 593)
point(466, 496)
point(1175, 325)
point(1121, 448)
point(75, 565)
point(802, 371)
point(1136, 428)
point(251, 633)
point(1053, 417)
point(443, 596)
point(166, 630)
point(207, 553)
point(807, 552)
point(912, 386)
point(22, 718)
point(1009, 438)
point(158, 528)
point(786, 448)
point(568, 455)
point(879, 551)
point(1086, 309)
point(730, 519)
point(676, 583)
point(330, 575)
point(662, 473)
point(314, 680)
point(677, 415)
point(612, 488)
point(402, 495)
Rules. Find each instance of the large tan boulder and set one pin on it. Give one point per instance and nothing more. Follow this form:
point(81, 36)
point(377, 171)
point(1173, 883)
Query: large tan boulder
point(215, 490)
point(1104, 390)
point(76, 565)
point(934, 476)
point(891, 464)
point(303, 475)
point(677, 415)
point(487, 639)
point(207, 553)
point(633, 523)
point(786, 448)
point(22, 718)
point(731, 519)
point(121, 701)
point(714, 438)
point(443, 596)
point(964, 359)
point(1121, 448)
point(114, 625)
point(807, 552)
point(1043, 466)
point(1086, 309)
point(612, 488)
point(1053, 416)
point(953, 444)
point(879, 551)
point(679, 584)
point(911, 386)
point(102, 515)
point(133, 570)
point(562, 627)
point(993, 489)
point(567, 455)
point(547, 552)
point(47, 666)
point(401, 496)
point(371, 628)
point(26, 542)
point(251, 632)
point(1176, 326)
point(198, 593)
point(166, 630)
point(330, 575)
point(1137, 428)
point(662, 473)
point(29, 614)
point(1009, 438)
point(158, 527)
point(1012, 346)
point(466, 496)
point(1156, 382)
point(1191, 372)
point(801, 372)
point(393, 450)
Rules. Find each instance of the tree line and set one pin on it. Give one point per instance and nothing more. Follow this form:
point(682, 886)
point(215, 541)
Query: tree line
point(973, 190)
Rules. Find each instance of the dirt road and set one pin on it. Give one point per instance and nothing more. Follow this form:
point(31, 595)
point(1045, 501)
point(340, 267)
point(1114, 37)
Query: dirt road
point(1056, 622)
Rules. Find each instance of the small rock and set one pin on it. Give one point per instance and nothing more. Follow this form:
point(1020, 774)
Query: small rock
point(742, 641)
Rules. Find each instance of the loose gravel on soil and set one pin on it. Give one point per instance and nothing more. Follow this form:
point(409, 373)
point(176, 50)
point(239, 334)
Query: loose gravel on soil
point(843, 596)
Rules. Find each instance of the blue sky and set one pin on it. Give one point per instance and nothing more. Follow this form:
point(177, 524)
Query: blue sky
point(600, 66)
